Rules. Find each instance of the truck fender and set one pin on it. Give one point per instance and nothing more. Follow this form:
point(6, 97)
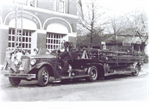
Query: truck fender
point(50, 67)
point(101, 70)
point(137, 64)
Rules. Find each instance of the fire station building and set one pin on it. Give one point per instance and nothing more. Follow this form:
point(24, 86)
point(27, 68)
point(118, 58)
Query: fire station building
point(44, 24)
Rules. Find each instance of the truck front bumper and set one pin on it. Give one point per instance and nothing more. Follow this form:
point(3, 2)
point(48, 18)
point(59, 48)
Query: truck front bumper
point(20, 75)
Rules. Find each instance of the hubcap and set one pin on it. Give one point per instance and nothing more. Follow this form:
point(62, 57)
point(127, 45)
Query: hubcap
point(45, 76)
point(136, 71)
point(93, 73)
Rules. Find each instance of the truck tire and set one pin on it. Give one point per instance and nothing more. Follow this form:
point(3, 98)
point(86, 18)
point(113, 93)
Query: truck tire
point(43, 76)
point(14, 81)
point(93, 73)
point(136, 71)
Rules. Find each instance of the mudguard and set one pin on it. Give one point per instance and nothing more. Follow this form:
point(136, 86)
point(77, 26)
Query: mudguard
point(101, 69)
point(39, 65)
point(53, 73)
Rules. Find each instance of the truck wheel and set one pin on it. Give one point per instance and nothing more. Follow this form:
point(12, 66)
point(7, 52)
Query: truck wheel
point(136, 71)
point(93, 73)
point(43, 77)
point(14, 81)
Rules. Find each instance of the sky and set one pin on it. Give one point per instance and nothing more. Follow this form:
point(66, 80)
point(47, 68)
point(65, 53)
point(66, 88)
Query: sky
point(119, 7)
point(115, 8)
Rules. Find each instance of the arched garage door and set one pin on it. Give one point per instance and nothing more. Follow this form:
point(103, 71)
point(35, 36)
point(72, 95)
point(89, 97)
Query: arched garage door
point(25, 39)
point(55, 34)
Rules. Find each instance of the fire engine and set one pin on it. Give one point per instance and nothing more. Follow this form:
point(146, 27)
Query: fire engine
point(89, 63)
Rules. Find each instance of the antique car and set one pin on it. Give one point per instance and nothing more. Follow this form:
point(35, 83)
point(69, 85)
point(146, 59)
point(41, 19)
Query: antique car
point(90, 64)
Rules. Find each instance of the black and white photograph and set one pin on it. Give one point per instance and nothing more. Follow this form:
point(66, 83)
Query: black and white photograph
point(74, 53)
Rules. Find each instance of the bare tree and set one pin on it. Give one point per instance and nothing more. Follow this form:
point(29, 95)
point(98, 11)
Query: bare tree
point(115, 25)
point(129, 24)
point(138, 22)
point(89, 19)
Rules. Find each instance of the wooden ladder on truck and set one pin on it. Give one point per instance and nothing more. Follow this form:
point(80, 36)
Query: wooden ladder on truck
point(18, 24)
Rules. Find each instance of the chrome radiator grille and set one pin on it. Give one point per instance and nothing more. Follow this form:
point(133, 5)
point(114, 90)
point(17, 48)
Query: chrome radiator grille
point(26, 63)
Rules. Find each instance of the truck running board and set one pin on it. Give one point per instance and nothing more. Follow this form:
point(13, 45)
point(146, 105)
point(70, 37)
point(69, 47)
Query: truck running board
point(73, 77)
point(118, 72)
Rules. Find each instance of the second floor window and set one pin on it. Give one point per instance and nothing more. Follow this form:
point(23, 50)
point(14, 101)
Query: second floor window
point(23, 2)
point(59, 6)
point(32, 3)
point(62, 6)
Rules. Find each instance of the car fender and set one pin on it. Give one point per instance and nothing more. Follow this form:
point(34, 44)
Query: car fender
point(50, 67)
point(52, 70)
point(39, 65)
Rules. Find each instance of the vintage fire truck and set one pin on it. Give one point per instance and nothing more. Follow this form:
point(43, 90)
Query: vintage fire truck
point(90, 63)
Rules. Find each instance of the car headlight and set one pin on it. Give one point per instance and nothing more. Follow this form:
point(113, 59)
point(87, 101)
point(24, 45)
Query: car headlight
point(16, 62)
point(33, 61)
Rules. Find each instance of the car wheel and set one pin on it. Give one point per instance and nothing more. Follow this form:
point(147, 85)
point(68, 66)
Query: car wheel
point(136, 71)
point(43, 76)
point(14, 81)
point(93, 73)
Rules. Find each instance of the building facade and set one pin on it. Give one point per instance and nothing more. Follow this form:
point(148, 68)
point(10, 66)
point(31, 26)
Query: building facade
point(41, 24)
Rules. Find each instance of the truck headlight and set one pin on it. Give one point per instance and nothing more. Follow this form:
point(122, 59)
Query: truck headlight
point(16, 62)
point(33, 61)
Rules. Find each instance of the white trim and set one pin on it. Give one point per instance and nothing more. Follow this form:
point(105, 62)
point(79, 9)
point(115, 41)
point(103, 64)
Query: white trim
point(54, 5)
point(58, 19)
point(4, 26)
point(51, 12)
point(25, 24)
point(1, 20)
point(73, 34)
point(63, 7)
point(41, 31)
point(47, 11)
point(26, 13)
point(53, 28)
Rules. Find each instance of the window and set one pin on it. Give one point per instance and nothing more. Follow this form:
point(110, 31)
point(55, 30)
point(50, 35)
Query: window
point(24, 40)
point(24, 2)
point(54, 5)
point(62, 6)
point(32, 3)
point(53, 41)
point(59, 5)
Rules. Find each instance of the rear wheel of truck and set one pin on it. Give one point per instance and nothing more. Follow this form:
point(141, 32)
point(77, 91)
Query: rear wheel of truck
point(136, 71)
point(14, 81)
point(43, 77)
point(93, 73)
